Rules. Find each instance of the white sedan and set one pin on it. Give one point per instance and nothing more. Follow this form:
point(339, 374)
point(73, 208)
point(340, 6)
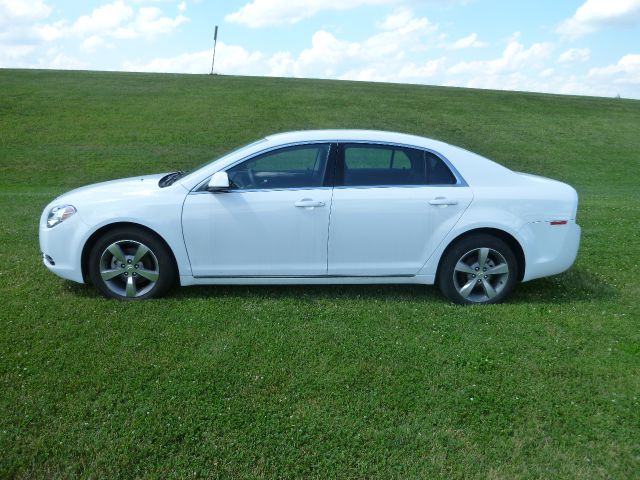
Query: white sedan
point(318, 207)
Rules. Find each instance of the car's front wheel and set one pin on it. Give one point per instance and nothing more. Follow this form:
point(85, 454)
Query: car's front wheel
point(131, 264)
point(478, 269)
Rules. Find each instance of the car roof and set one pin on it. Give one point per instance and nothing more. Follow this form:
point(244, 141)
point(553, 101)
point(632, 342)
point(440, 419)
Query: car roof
point(473, 168)
point(355, 135)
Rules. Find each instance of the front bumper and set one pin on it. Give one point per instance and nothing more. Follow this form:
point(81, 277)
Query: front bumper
point(61, 247)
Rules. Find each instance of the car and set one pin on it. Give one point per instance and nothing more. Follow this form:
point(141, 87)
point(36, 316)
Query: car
point(318, 207)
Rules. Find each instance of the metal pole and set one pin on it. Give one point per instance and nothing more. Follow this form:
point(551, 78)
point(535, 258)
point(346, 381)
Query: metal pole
point(215, 42)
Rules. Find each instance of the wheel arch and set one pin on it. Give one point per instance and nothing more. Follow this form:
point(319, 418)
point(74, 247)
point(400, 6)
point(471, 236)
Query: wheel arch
point(509, 239)
point(88, 245)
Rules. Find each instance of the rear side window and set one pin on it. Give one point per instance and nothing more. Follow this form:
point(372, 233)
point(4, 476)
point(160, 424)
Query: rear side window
point(381, 165)
point(437, 171)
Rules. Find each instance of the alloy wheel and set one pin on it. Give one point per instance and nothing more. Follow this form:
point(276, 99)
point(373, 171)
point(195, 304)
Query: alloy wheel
point(480, 274)
point(129, 268)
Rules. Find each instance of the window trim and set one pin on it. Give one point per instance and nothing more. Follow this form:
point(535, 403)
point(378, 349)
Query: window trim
point(339, 165)
point(331, 172)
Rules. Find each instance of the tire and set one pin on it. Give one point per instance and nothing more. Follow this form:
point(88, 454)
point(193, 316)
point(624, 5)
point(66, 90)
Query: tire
point(479, 269)
point(131, 264)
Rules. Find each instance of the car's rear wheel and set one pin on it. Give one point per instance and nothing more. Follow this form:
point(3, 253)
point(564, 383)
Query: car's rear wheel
point(131, 264)
point(478, 269)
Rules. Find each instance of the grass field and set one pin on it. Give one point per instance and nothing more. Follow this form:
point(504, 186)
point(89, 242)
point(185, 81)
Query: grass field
point(314, 382)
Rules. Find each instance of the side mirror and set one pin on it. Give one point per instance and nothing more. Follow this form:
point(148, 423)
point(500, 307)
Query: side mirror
point(219, 182)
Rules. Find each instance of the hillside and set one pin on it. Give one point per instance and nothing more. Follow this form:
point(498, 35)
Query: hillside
point(314, 382)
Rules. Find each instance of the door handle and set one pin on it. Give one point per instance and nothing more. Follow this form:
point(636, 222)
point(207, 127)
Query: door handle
point(309, 203)
point(442, 201)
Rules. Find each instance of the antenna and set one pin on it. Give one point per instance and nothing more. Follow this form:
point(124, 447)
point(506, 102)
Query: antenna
point(215, 42)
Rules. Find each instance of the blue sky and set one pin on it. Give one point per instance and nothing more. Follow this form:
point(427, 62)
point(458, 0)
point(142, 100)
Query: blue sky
point(585, 47)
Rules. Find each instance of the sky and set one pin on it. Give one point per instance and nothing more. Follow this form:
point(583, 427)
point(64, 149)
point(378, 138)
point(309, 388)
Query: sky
point(583, 47)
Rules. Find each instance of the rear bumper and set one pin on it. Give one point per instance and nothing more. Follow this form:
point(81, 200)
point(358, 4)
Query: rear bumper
point(551, 249)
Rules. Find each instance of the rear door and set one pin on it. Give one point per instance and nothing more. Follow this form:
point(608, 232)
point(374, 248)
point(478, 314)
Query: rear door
point(392, 205)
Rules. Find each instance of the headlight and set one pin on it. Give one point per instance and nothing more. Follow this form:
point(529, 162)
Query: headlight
point(59, 214)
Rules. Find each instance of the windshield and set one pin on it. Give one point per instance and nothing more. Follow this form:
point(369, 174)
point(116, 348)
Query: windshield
point(171, 178)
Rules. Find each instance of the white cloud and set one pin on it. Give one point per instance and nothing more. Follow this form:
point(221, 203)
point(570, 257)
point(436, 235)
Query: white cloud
point(230, 59)
point(115, 20)
point(261, 13)
point(382, 52)
point(520, 67)
point(22, 11)
point(626, 71)
point(401, 73)
point(103, 18)
point(65, 62)
point(381, 57)
point(182, 6)
point(470, 41)
point(280, 64)
point(397, 19)
point(414, 34)
point(51, 31)
point(596, 14)
point(94, 43)
point(18, 37)
point(388, 57)
point(149, 22)
point(325, 53)
point(514, 57)
point(526, 69)
point(24, 35)
point(11, 53)
point(575, 55)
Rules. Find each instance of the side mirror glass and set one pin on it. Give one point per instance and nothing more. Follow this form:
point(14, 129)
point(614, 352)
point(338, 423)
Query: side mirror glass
point(219, 182)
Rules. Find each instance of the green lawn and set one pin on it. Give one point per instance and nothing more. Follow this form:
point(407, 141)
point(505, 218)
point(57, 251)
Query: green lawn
point(314, 382)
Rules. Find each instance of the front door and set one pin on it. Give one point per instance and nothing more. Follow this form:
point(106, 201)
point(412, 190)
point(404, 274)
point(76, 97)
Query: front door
point(273, 221)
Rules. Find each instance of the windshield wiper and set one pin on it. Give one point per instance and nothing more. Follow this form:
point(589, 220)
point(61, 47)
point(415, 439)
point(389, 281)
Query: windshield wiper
point(170, 178)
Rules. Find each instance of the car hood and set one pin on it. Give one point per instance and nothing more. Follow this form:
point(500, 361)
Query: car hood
point(133, 187)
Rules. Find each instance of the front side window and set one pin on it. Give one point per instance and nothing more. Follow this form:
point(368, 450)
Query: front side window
point(374, 165)
point(301, 166)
